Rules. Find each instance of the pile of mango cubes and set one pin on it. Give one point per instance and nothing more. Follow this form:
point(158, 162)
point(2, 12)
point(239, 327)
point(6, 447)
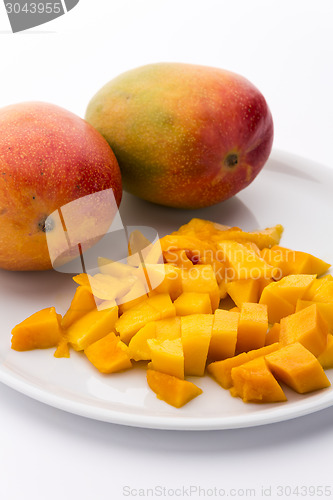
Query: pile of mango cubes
point(228, 302)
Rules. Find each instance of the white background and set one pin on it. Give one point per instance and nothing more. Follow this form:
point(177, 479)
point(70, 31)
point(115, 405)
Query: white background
point(286, 49)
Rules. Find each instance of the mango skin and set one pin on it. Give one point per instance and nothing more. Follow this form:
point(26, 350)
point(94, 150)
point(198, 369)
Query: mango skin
point(185, 136)
point(48, 158)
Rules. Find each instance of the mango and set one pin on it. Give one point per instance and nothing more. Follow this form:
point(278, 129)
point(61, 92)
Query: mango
point(167, 356)
point(83, 302)
point(224, 335)
point(252, 327)
point(109, 354)
point(193, 303)
point(51, 158)
point(255, 383)
point(196, 332)
point(39, 331)
point(307, 327)
point(172, 390)
point(184, 135)
point(297, 367)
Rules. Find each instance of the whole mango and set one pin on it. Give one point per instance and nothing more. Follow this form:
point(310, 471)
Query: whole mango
point(50, 157)
point(184, 135)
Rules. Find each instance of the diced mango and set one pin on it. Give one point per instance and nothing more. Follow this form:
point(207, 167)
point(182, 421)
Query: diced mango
point(324, 293)
point(134, 297)
point(223, 289)
point(114, 268)
point(196, 332)
point(193, 303)
point(39, 331)
point(254, 382)
point(109, 354)
point(201, 278)
point(294, 262)
point(292, 287)
point(168, 328)
point(83, 302)
point(62, 350)
point(306, 327)
point(91, 327)
point(243, 291)
point(224, 335)
point(242, 262)
point(167, 356)
point(165, 278)
point(325, 309)
point(163, 304)
point(264, 238)
point(172, 390)
point(297, 367)
point(273, 334)
point(138, 348)
point(178, 258)
point(252, 327)
point(326, 357)
point(135, 318)
point(221, 370)
point(277, 306)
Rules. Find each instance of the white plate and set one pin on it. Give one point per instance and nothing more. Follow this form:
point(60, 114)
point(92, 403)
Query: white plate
point(291, 191)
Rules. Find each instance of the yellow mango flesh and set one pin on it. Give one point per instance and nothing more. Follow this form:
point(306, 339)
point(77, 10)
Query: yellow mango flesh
point(109, 354)
point(221, 370)
point(252, 327)
point(201, 279)
point(165, 278)
point(306, 327)
point(39, 331)
point(167, 356)
point(163, 304)
point(196, 331)
point(277, 306)
point(135, 318)
point(193, 303)
point(178, 258)
point(83, 302)
point(243, 291)
point(254, 382)
point(242, 262)
point(91, 327)
point(224, 335)
point(298, 368)
point(168, 328)
point(325, 309)
point(294, 262)
point(273, 334)
point(326, 357)
point(138, 347)
point(172, 390)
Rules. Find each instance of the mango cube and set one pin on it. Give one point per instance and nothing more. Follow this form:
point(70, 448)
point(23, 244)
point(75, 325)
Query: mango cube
point(306, 327)
point(297, 367)
point(163, 304)
point(294, 262)
point(221, 370)
point(273, 334)
point(243, 291)
point(252, 327)
point(164, 278)
point(167, 356)
point(91, 327)
point(138, 348)
point(193, 303)
point(201, 278)
point(325, 309)
point(326, 357)
point(172, 390)
point(83, 302)
point(224, 335)
point(39, 331)
point(242, 262)
point(178, 258)
point(254, 382)
point(196, 331)
point(168, 328)
point(109, 354)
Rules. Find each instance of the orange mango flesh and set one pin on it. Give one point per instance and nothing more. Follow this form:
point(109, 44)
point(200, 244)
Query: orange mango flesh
point(172, 390)
point(39, 331)
point(255, 383)
point(307, 327)
point(297, 367)
point(215, 302)
point(196, 332)
point(109, 354)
